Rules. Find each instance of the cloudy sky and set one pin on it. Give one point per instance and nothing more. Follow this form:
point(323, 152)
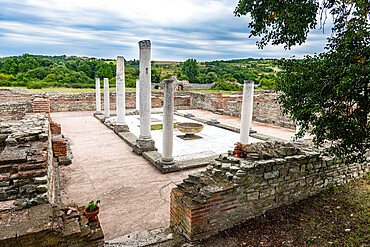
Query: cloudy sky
point(178, 29)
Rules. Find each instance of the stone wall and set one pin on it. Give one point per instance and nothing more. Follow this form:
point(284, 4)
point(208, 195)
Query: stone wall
point(265, 108)
point(14, 107)
point(233, 190)
point(60, 102)
point(26, 162)
point(44, 225)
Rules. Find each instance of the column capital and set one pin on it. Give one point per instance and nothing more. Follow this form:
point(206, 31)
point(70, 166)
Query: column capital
point(168, 81)
point(145, 44)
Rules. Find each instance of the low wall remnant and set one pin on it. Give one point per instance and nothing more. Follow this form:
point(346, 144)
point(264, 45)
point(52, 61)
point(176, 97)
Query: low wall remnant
point(233, 190)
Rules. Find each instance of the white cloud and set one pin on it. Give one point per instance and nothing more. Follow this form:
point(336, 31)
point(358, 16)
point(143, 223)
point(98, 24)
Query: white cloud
point(202, 29)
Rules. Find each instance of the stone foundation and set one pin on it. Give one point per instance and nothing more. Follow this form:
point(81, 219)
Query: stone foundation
point(233, 190)
point(14, 107)
point(44, 225)
point(26, 162)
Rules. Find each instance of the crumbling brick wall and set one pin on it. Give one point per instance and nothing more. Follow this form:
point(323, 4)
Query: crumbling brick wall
point(14, 107)
point(59, 147)
point(86, 101)
point(233, 190)
point(41, 105)
point(265, 107)
point(26, 160)
point(55, 128)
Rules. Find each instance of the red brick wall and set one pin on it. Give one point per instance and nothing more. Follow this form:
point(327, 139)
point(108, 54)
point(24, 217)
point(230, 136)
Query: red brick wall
point(59, 147)
point(41, 105)
point(195, 220)
point(55, 128)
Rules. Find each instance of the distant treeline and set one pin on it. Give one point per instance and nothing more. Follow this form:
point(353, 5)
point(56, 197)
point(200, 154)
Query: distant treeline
point(37, 71)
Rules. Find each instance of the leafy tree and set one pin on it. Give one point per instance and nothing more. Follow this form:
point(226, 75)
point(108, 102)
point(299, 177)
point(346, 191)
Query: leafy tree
point(156, 76)
point(328, 91)
point(107, 70)
point(210, 77)
point(228, 77)
point(226, 86)
point(46, 62)
point(191, 70)
point(183, 77)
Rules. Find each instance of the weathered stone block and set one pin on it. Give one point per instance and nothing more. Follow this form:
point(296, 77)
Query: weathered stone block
point(269, 175)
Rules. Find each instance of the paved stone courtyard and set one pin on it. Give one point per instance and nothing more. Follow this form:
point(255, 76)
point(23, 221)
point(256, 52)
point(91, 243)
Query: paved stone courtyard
point(134, 195)
point(213, 140)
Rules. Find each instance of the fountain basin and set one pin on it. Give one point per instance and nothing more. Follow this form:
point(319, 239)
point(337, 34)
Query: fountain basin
point(190, 128)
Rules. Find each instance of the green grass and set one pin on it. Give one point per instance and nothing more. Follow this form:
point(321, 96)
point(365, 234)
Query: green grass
point(70, 90)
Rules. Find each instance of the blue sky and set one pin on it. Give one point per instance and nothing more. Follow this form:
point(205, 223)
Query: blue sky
point(178, 29)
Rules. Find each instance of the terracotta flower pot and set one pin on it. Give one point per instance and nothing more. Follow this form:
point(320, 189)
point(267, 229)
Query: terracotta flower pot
point(238, 153)
point(91, 216)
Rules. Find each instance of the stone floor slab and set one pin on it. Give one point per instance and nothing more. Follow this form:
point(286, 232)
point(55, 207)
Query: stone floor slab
point(134, 195)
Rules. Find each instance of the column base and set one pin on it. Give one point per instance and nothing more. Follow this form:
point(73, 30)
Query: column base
point(213, 121)
point(105, 119)
point(189, 115)
point(144, 145)
point(120, 128)
point(98, 113)
point(167, 166)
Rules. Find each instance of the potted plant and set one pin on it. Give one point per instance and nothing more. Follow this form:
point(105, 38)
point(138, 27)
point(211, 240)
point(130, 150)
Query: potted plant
point(92, 210)
point(238, 149)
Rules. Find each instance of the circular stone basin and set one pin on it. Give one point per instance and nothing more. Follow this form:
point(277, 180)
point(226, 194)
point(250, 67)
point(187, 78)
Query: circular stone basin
point(190, 128)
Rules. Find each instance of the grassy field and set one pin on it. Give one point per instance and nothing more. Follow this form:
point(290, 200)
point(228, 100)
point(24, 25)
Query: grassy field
point(69, 90)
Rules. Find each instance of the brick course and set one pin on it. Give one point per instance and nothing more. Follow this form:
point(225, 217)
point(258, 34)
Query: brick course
point(59, 147)
point(41, 105)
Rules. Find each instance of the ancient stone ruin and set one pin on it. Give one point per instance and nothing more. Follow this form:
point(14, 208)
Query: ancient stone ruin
point(233, 190)
point(229, 191)
point(31, 151)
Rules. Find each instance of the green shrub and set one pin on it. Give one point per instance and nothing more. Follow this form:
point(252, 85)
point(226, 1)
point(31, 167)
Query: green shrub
point(226, 86)
point(34, 85)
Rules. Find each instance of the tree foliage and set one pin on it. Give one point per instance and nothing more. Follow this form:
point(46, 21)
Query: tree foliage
point(329, 91)
point(279, 21)
point(191, 70)
point(210, 77)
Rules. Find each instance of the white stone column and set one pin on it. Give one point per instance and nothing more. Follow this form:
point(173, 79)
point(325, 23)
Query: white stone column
point(106, 99)
point(247, 110)
point(97, 96)
point(137, 95)
point(145, 142)
point(168, 109)
point(120, 125)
